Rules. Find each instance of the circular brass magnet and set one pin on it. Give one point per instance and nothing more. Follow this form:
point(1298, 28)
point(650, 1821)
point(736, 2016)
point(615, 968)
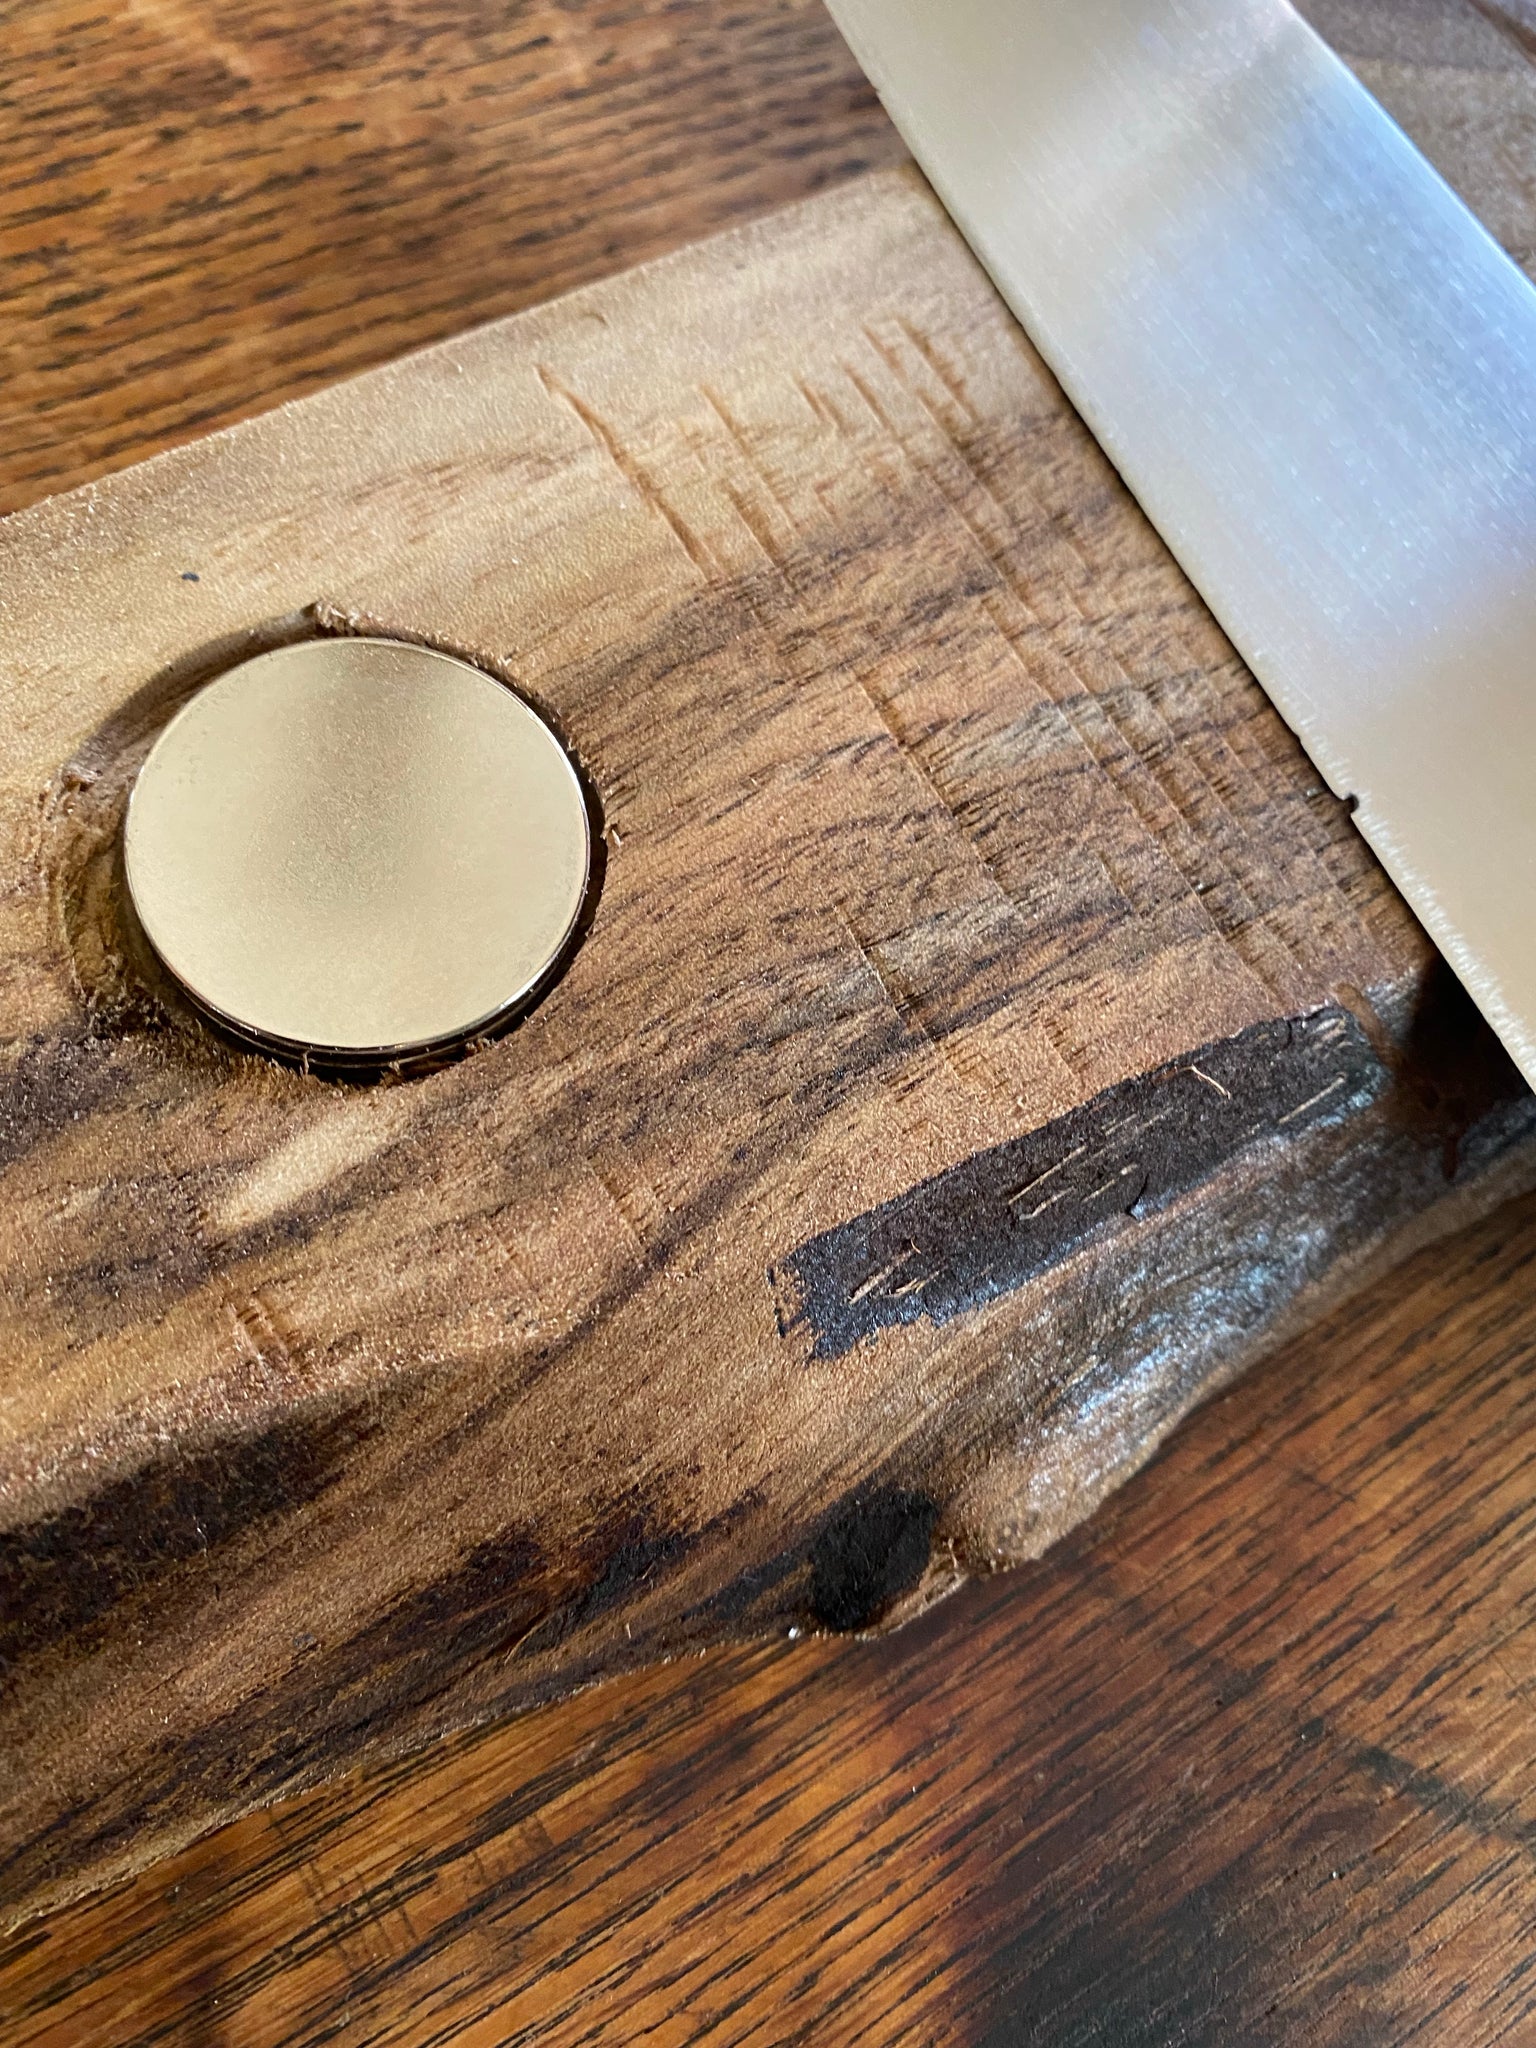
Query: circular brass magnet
point(357, 849)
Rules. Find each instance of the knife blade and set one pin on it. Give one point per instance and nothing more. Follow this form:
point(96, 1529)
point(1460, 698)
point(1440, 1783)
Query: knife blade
point(1311, 365)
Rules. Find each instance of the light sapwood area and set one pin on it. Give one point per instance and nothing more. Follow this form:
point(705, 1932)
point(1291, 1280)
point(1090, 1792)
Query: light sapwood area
point(950, 853)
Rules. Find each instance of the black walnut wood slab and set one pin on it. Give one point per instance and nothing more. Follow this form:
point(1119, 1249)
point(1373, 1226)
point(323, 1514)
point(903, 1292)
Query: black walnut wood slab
point(989, 1036)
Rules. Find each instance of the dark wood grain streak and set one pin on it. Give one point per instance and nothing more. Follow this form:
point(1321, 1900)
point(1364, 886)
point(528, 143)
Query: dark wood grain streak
point(1003, 1217)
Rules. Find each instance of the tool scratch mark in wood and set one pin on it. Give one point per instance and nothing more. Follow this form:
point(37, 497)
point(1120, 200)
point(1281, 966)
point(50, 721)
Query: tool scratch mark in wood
point(613, 447)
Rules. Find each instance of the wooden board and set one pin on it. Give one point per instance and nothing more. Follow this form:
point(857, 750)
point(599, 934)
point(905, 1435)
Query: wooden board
point(945, 838)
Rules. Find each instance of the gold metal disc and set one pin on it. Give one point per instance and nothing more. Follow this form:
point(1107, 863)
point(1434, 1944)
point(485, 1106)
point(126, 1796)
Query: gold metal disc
point(357, 848)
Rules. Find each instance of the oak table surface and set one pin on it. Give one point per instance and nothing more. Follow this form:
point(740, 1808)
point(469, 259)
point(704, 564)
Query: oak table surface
point(1249, 1756)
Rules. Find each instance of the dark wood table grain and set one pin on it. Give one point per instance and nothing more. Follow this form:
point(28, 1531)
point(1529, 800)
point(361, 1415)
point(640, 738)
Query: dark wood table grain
point(1250, 1757)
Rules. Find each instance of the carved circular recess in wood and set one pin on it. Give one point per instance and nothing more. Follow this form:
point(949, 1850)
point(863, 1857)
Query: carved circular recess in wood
point(359, 850)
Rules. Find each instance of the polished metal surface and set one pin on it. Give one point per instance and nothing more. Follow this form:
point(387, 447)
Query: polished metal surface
point(1311, 365)
point(357, 847)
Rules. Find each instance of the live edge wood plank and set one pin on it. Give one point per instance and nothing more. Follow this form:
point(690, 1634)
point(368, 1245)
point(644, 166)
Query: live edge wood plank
point(861, 674)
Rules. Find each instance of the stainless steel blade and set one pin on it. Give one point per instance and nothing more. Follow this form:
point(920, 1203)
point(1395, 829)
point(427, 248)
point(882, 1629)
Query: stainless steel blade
point(1314, 369)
